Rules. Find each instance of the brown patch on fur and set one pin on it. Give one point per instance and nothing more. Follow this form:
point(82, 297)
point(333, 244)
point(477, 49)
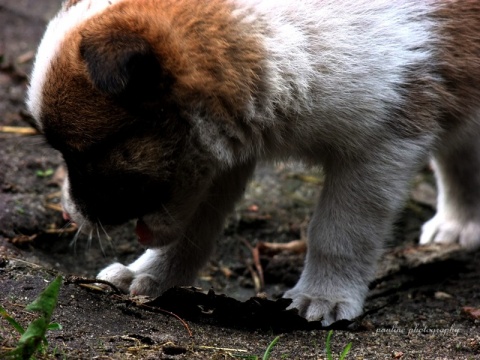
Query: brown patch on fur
point(214, 61)
point(74, 113)
point(70, 3)
point(445, 92)
point(422, 108)
point(459, 58)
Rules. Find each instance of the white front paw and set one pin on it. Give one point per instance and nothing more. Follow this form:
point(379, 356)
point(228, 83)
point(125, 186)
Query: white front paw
point(119, 275)
point(328, 305)
point(129, 282)
point(442, 230)
point(146, 284)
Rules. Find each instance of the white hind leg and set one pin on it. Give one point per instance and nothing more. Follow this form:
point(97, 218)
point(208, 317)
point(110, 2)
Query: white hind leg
point(457, 170)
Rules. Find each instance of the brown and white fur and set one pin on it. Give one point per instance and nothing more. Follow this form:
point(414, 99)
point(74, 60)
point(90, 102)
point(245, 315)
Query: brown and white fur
point(161, 109)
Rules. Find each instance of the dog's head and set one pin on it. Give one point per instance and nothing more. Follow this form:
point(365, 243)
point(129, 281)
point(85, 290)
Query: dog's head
point(142, 119)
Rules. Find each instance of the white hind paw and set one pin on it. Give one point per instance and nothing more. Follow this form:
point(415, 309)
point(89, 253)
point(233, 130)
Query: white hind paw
point(441, 230)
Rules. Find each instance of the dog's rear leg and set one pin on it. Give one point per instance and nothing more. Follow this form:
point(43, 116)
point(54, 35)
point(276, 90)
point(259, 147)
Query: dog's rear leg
point(457, 170)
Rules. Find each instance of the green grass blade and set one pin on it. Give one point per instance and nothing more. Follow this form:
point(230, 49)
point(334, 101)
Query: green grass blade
point(327, 345)
point(345, 351)
point(31, 340)
point(266, 356)
point(11, 320)
point(47, 300)
point(54, 326)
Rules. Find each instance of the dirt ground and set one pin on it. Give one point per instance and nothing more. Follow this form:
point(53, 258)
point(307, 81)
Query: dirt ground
point(421, 306)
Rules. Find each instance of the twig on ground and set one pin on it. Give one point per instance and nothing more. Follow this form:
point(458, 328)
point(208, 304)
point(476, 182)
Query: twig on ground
point(20, 130)
point(28, 263)
point(56, 207)
point(23, 239)
point(257, 274)
point(26, 57)
point(258, 267)
point(204, 347)
point(257, 283)
point(56, 194)
point(162, 311)
point(67, 230)
point(294, 246)
point(82, 281)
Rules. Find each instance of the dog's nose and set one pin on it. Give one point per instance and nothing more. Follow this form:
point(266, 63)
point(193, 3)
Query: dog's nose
point(66, 216)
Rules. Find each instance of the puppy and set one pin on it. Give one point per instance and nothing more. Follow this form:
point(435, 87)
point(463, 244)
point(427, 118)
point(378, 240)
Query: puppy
point(161, 108)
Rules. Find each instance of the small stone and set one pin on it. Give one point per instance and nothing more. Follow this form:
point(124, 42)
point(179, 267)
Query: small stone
point(471, 312)
point(440, 295)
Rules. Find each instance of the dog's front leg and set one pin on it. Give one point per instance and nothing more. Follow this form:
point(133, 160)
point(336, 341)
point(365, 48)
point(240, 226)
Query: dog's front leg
point(357, 207)
point(178, 263)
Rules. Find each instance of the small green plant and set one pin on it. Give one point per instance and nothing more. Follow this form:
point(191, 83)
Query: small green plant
point(33, 338)
point(45, 173)
point(344, 353)
point(268, 352)
point(266, 355)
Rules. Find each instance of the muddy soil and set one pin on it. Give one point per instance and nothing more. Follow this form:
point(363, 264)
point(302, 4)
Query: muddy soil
point(421, 306)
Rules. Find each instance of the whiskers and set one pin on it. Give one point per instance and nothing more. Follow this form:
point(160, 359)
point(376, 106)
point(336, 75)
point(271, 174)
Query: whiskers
point(107, 237)
point(92, 231)
point(73, 243)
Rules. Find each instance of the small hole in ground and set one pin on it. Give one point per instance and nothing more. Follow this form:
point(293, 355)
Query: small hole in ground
point(174, 350)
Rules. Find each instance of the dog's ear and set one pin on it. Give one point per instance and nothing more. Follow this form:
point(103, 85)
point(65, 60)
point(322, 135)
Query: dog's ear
point(120, 63)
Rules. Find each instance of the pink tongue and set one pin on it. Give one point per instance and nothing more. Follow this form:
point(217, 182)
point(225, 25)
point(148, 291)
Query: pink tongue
point(145, 235)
